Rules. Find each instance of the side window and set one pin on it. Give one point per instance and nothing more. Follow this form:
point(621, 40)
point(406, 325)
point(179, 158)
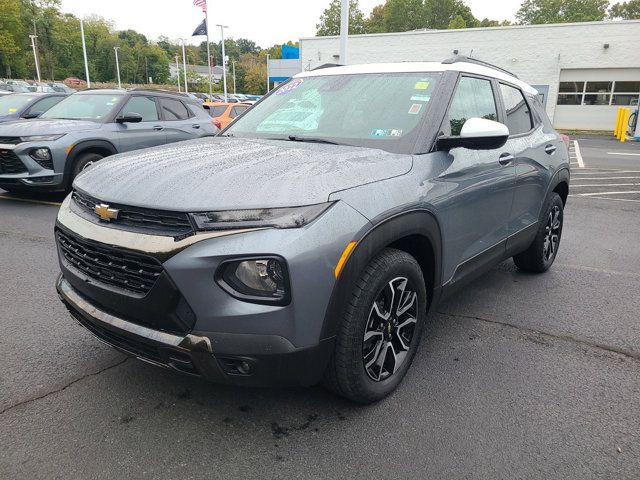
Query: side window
point(518, 118)
point(235, 111)
point(173, 109)
point(45, 104)
point(217, 111)
point(145, 106)
point(473, 98)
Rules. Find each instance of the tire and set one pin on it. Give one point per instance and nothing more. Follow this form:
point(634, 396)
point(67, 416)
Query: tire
point(543, 250)
point(363, 367)
point(83, 161)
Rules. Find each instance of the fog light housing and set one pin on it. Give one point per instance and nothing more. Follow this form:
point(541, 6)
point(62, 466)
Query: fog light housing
point(257, 280)
point(43, 157)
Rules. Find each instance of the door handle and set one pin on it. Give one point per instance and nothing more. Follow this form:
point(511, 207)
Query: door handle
point(550, 149)
point(195, 125)
point(505, 159)
point(158, 128)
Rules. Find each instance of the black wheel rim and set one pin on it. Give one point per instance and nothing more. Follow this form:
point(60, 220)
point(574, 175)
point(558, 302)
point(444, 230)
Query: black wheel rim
point(389, 329)
point(552, 233)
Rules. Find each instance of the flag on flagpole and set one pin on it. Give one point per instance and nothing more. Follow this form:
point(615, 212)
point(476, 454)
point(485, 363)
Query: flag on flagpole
point(200, 29)
point(202, 4)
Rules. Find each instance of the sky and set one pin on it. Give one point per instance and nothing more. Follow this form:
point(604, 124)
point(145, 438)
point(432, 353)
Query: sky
point(266, 23)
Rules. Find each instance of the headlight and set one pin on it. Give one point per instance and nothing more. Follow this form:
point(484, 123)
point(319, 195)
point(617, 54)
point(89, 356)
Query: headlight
point(289, 217)
point(42, 138)
point(258, 280)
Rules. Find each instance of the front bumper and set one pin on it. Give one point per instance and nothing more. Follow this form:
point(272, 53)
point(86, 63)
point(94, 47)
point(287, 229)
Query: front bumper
point(244, 361)
point(22, 172)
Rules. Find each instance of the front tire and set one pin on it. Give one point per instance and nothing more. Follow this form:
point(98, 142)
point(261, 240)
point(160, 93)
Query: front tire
point(542, 252)
point(83, 162)
point(380, 330)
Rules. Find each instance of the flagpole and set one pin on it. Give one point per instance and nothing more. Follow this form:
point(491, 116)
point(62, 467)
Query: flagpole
point(206, 19)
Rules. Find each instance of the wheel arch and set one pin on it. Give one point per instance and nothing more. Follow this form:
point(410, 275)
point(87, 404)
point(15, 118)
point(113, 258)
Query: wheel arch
point(416, 232)
point(560, 184)
point(101, 147)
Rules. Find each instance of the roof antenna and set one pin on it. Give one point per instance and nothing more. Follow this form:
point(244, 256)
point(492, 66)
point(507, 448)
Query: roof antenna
point(471, 53)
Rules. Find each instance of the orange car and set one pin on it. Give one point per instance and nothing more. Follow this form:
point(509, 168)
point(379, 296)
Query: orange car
point(224, 113)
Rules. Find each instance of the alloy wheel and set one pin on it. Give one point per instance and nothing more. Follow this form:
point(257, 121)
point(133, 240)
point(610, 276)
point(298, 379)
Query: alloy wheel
point(389, 329)
point(552, 233)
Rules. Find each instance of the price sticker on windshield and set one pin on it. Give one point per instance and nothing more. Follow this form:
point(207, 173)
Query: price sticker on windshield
point(292, 85)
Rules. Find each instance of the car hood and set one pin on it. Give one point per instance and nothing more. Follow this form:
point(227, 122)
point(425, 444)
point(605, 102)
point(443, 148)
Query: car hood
point(221, 173)
point(9, 117)
point(23, 128)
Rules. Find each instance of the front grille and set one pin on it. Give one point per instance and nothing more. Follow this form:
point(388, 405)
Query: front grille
point(129, 271)
point(156, 221)
point(10, 140)
point(10, 163)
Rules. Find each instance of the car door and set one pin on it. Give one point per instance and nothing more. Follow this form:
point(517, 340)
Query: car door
point(479, 186)
point(147, 133)
point(532, 149)
point(178, 121)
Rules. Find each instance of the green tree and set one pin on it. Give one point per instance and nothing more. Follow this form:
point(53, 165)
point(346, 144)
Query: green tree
point(561, 11)
point(626, 10)
point(403, 15)
point(374, 23)
point(11, 35)
point(330, 19)
point(439, 13)
point(457, 22)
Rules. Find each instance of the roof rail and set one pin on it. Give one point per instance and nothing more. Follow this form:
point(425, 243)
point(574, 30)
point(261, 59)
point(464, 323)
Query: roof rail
point(157, 90)
point(464, 58)
point(327, 65)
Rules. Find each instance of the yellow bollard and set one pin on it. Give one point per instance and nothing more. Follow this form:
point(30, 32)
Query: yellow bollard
point(617, 125)
point(625, 123)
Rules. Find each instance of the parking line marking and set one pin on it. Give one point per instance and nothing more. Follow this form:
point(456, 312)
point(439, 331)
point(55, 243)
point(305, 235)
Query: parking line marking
point(578, 154)
point(605, 198)
point(607, 178)
point(28, 200)
point(607, 185)
point(624, 153)
point(605, 193)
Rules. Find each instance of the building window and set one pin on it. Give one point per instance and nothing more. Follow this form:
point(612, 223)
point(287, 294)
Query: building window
point(599, 93)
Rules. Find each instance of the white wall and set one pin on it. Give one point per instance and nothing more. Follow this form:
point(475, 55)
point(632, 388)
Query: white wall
point(536, 53)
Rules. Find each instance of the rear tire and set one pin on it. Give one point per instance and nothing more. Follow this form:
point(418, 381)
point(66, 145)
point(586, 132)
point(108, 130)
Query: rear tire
point(543, 250)
point(380, 329)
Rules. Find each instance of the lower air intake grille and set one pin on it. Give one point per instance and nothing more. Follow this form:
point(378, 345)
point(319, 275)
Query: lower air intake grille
point(10, 163)
point(129, 271)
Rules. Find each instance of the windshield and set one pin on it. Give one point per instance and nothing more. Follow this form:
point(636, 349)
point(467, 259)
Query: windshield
point(373, 110)
point(84, 107)
point(13, 103)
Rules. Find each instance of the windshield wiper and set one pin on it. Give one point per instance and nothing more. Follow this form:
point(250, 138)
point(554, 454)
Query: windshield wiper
point(295, 138)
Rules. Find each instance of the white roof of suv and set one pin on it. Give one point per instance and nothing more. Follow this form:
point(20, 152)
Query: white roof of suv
point(410, 67)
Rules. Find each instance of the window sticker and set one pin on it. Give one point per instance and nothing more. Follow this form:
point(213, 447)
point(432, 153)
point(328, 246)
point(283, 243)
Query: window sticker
point(420, 98)
point(415, 108)
point(422, 85)
point(13, 110)
point(380, 132)
point(396, 133)
point(292, 85)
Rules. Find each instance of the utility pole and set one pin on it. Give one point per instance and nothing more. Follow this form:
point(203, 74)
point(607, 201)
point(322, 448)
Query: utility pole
point(224, 61)
point(206, 19)
point(233, 65)
point(35, 55)
point(268, 55)
point(178, 72)
point(344, 31)
point(117, 66)
point(84, 51)
point(184, 63)
point(146, 69)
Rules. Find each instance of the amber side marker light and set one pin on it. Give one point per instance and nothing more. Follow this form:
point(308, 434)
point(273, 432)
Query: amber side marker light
point(69, 148)
point(343, 258)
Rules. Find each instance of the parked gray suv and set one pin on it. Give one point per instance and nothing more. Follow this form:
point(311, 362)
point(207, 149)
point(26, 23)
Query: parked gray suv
point(46, 154)
point(308, 241)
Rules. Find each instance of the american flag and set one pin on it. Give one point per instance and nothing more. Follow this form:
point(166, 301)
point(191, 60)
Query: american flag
point(202, 4)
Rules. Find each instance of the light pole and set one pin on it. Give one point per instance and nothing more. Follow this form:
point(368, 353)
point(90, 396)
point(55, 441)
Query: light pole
point(184, 63)
point(178, 72)
point(35, 54)
point(344, 31)
point(233, 65)
point(115, 49)
point(84, 51)
point(224, 61)
point(268, 55)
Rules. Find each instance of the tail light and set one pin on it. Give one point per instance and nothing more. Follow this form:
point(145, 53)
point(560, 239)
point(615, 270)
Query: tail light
point(216, 123)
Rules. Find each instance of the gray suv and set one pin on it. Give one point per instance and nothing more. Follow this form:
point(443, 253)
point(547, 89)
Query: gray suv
point(46, 154)
point(309, 240)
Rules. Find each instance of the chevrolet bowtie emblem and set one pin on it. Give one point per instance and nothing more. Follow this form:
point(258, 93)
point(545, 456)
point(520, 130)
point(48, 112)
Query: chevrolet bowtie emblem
point(105, 213)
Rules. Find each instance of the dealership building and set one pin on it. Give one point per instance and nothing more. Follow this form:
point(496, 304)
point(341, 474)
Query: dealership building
point(583, 71)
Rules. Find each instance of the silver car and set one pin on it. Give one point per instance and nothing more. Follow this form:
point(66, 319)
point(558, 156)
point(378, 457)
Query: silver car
point(47, 154)
point(309, 240)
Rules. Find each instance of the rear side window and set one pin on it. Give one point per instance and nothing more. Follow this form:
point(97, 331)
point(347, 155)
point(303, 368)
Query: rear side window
point(173, 109)
point(518, 118)
point(473, 98)
point(235, 111)
point(145, 106)
point(45, 104)
point(217, 111)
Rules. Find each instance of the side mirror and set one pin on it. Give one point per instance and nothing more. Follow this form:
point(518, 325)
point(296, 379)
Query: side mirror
point(32, 115)
point(130, 117)
point(477, 134)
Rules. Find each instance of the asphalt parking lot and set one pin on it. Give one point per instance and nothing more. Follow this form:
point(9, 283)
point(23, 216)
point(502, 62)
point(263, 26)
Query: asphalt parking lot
point(519, 376)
